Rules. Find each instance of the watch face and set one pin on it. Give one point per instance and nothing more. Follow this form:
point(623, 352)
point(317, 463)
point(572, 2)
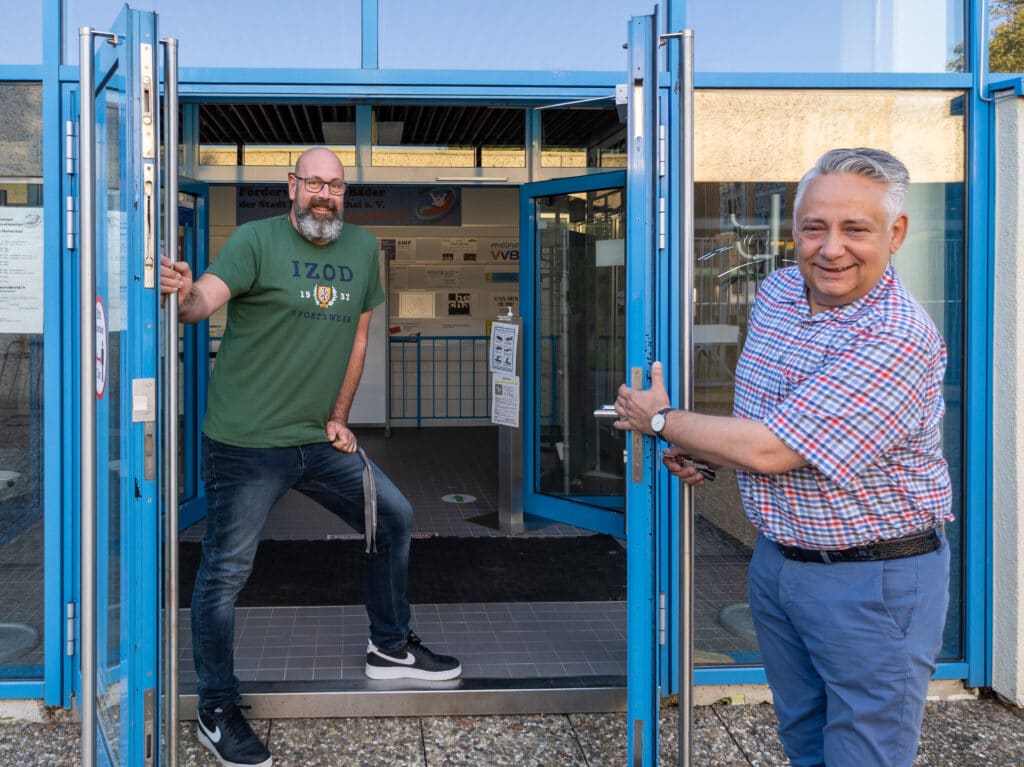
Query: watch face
point(657, 422)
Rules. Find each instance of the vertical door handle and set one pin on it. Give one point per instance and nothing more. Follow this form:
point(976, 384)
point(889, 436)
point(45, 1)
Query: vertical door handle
point(637, 437)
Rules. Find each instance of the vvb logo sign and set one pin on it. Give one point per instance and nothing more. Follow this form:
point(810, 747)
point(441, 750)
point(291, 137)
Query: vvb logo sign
point(507, 250)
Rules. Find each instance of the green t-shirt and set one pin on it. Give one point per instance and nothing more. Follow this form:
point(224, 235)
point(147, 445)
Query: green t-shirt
point(292, 318)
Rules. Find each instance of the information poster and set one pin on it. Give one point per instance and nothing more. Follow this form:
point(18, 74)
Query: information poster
point(504, 340)
point(460, 250)
point(505, 401)
point(21, 270)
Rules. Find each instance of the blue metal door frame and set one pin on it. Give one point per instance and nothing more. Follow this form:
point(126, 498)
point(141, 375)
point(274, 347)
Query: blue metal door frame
point(128, 477)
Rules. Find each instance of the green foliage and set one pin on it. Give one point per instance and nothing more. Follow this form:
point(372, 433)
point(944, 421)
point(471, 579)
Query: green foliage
point(1006, 45)
point(1006, 39)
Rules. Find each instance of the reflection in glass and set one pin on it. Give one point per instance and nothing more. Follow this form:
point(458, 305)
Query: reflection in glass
point(21, 383)
point(111, 271)
point(827, 36)
point(582, 342)
point(1006, 30)
point(752, 147)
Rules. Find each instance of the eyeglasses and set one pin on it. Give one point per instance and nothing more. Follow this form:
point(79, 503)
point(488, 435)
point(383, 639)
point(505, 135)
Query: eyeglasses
point(314, 184)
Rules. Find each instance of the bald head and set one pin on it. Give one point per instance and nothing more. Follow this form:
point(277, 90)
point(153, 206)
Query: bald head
point(317, 192)
point(319, 161)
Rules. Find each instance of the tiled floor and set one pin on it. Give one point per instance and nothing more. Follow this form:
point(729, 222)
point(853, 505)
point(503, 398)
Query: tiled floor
point(537, 639)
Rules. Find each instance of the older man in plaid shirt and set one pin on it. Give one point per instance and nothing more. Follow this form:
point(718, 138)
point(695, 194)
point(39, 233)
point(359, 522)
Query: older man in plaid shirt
point(836, 439)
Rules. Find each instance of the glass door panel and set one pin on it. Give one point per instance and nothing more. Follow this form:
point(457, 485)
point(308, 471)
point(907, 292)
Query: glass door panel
point(110, 253)
point(583, 325)
point(575, 252)
point(746, 177)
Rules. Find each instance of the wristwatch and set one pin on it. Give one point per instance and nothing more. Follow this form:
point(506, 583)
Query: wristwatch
point(658, 420)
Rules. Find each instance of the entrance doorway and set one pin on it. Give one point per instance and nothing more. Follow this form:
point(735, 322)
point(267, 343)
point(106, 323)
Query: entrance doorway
point(543, 609)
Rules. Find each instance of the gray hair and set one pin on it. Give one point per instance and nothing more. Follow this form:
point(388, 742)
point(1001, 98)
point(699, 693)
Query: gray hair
point(872, 163)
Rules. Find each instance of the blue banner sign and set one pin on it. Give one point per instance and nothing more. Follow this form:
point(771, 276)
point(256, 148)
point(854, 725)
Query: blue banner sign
point(367, 205)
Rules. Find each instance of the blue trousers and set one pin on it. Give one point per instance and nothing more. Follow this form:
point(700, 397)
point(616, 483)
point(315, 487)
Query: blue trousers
point(849, 649)
point(242, 484)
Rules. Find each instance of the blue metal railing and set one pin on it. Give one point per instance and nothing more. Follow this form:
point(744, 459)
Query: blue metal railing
point(439, 377)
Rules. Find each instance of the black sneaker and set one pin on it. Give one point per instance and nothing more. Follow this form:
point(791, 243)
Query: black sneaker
point(410, 661)
point(225, 732)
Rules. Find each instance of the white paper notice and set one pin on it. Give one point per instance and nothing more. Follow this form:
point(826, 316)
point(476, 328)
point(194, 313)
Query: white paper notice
point(505, 401)
point(504, 339)
point(459, 249)
point(415, 304)
point(443, 278)
point(405, 250)
point(21, 270)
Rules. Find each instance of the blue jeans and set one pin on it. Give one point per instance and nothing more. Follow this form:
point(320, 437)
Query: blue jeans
point(849, 649)
point(242, 484)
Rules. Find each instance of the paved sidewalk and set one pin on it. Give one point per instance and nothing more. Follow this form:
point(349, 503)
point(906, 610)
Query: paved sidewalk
point(961, 733)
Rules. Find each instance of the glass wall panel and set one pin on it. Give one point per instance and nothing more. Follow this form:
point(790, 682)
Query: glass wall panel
point(529, 34)
point(22, 42)
point(582, 137)
point(1006, 36)
point(21, 381)
point(751, 149)
point(827, 36)
point(448, 137)
point(238, 34)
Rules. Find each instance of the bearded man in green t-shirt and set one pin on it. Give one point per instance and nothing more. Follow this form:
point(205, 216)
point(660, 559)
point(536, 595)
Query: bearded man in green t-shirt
point(300, 289)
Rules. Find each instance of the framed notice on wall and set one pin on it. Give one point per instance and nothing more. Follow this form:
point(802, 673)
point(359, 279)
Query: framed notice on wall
point(21, 270)
point(416, 304)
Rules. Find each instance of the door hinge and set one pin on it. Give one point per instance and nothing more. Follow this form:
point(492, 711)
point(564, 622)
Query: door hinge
point(662, 149)
point(661, 618)
point(69, 222)
point(661, 223)
point(70, 145)
point(69, 629)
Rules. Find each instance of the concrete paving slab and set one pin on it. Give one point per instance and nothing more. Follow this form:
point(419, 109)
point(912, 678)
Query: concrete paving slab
point(501, 741)
point(753, 728)
point(369, 742)
point(39, 744)
point(603, 739)
point(982, 733)
point(961, 733)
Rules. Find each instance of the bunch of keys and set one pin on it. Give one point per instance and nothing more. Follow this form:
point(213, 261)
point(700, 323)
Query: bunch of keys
point(705, 471)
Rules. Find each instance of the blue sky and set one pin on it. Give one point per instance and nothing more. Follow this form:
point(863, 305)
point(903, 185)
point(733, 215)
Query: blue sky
point(730, 35)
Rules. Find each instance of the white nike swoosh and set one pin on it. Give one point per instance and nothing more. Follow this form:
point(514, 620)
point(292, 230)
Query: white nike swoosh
point(408, 660)
point(214, 736)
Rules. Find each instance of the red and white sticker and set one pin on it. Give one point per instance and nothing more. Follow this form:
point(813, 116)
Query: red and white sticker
point(101, 349)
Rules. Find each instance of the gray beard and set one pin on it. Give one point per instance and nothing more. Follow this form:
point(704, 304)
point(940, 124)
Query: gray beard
point(318, 231)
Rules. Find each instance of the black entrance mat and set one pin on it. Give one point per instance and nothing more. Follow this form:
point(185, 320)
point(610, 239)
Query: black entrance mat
point(441, 571)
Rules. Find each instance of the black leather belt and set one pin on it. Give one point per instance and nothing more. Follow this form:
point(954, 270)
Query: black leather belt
point(894, 548)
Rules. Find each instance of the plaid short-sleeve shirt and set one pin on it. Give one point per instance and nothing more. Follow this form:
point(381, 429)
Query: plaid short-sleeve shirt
point(857, 392)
